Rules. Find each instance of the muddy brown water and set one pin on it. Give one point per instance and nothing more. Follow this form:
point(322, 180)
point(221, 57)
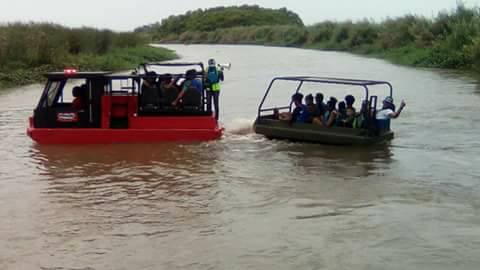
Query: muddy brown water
point(245, 202)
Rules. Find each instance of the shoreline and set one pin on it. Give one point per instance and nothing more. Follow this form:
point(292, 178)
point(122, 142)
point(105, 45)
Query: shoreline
point(385, 55)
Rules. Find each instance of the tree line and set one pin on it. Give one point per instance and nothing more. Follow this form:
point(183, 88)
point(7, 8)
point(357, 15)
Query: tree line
point(449, 40)
point(221, 18)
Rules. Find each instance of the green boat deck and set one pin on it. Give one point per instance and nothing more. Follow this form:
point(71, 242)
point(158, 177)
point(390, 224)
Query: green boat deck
point(277, 129)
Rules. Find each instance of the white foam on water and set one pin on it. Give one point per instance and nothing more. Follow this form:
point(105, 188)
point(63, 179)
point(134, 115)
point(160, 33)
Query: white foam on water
point(240, 126)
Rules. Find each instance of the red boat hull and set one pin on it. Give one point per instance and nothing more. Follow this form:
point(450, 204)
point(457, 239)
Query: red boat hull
point(140, 130)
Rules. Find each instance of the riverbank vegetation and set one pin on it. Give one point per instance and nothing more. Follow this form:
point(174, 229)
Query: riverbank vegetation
point(213, 19)
point(450, 40)
point(29, 50)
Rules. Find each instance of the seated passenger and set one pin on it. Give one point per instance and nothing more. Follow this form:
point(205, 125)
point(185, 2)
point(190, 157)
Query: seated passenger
point(342, 114)
point(321, 107)
point(150, 98)
point(327, 119)
point(79, 101)
point(192, 99)
point(190, 83)
point(312, 108)
point(331, 113)
point(351, 112)
point(300, 114)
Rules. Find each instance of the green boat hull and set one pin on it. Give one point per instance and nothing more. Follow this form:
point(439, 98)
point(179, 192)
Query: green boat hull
point(276, 129)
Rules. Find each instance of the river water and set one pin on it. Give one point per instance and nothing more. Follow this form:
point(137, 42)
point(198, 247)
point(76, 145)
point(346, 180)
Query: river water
point(245, 202)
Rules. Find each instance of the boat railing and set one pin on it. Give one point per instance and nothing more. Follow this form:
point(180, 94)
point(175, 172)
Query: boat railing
point(275, 108)
point(323, 80)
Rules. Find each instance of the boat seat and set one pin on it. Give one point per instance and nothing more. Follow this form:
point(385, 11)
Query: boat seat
point(169, 94)
point(192, 100)
point(150, 97)
point(149, 108)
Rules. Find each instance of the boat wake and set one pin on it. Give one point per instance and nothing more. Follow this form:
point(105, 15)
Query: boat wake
point(240, 126)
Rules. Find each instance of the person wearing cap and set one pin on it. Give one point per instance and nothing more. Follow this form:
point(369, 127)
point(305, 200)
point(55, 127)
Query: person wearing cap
point(214, 77)
point(388, 110)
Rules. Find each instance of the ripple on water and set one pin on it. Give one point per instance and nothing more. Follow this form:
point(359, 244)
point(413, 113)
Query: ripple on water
point(246, 201)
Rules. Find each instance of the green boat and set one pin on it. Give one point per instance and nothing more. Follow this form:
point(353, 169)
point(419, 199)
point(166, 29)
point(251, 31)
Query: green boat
point(370, 133)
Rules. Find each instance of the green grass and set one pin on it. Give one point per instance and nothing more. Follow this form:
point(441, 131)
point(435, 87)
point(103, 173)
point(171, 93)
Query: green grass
point(120, 59)
point(410, 56)
point(115, 60)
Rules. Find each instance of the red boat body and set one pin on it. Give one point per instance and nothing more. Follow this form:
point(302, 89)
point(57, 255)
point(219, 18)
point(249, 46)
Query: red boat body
point(138, 129)
point(142, 130)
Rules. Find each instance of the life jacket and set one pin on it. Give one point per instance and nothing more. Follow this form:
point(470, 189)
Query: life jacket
point(358, 121)
point(213, 79)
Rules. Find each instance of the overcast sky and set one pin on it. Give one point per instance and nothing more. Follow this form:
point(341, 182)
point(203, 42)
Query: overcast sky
point(128, 14)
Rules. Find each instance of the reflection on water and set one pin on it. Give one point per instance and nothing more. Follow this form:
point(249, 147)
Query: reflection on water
point(248, 202)
point(116, 173)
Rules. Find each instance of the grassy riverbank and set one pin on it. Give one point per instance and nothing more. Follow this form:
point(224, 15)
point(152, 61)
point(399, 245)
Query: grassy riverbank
point(29, 50)
point(450, 40)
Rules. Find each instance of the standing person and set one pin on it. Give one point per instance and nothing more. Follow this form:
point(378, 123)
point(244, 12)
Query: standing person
point(214, 76)
point(388, 112)
point(388, 109)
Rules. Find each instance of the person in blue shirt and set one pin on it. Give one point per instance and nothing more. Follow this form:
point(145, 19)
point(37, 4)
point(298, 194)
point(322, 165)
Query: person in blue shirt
point(300, 114)
point(190, 82)
point(214, 77)
point(331, 113)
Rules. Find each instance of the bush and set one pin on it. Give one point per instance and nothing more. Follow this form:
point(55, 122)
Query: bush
point(27, 50)
point(31, 45)
point(451, 40)
point(472, 53)
point(209, 20)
